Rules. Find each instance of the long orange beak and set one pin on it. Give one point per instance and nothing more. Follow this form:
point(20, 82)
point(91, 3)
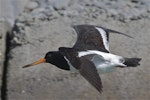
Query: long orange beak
point(35, 63)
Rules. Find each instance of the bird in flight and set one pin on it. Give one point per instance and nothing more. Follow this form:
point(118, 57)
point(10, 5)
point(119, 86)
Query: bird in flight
point(90, 55)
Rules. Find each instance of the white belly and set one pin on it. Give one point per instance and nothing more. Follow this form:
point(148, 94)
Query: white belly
point(103, 68)
point(102, 65)
point(104, 62)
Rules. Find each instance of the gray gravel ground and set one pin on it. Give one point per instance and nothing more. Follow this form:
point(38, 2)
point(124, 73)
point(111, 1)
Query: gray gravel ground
point(45, 25)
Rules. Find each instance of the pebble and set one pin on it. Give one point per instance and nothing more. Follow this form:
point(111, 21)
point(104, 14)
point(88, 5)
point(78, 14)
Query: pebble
point(99, 5)
point(23, 91)
point(113, 12)
point(70, 13)
point(146, 2)
point(32, 5)
point(38, 10)
point(20, 24)
point(15, 39)
point(59, 4)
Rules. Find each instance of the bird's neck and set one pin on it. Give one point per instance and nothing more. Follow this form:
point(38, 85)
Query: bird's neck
point(60, 62)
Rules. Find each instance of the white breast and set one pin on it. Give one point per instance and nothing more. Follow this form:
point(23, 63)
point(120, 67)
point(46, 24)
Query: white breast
point(102, 65)
point(104, 62)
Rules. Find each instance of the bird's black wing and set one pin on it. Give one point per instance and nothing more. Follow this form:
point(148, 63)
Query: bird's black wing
point(91, 37)
point(86, 68)
point(89, 72)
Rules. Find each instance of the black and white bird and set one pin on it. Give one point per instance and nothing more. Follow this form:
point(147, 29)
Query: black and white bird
point(90, 55)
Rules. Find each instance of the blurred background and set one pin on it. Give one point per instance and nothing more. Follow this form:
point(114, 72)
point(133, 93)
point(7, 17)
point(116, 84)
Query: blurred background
point(30, 28)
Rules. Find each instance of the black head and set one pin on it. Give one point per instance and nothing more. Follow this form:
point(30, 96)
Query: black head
point(57, 59)
point(53, 57)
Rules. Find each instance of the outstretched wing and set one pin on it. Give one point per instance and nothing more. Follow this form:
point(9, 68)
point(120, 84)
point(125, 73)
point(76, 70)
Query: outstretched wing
point(86, 68)
point(93, 37)
point(89, 72)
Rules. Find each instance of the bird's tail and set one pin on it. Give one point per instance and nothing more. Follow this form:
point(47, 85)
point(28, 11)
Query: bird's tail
point(132, 62)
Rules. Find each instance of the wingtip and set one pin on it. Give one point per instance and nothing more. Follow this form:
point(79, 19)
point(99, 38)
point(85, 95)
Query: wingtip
point(100, 91)
point(113, 31)
point(128, 36)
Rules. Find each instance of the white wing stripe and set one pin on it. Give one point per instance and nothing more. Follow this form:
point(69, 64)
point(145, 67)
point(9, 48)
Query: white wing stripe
point(72, 69)
point(104, 37)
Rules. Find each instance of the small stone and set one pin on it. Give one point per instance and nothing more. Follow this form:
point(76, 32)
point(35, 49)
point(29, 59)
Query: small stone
point(39, 79)
point(146, 2)
point(15, 39)
point(99, 5)
point(59, 4)
point(70, 13)
point(113, 12)
point(55, 14)
point(20, 24)
point(23, 91)
point(32, 5)
point(38, 10)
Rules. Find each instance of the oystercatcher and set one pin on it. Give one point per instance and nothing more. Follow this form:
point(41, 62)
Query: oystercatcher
point(90, 55)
